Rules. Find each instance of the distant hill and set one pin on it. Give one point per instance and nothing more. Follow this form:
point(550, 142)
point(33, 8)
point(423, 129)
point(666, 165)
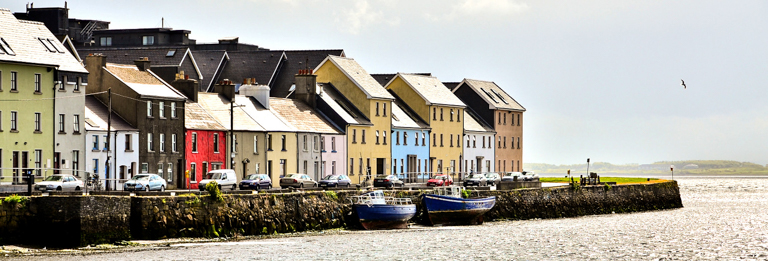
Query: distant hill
point(659, 167)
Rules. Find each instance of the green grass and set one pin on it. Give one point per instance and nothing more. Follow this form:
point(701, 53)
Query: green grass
point(602, 179)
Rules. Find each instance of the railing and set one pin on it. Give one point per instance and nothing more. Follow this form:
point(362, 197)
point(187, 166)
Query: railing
point(376, 199)
point(398, 201)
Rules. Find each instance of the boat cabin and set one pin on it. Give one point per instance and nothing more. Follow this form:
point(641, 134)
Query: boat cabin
point(448, 191)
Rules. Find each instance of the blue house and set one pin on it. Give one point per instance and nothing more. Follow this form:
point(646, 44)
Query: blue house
point(410, 143)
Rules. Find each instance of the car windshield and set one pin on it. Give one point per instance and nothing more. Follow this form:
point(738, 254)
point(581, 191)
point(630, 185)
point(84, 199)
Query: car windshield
point(331, 177)
point(295, 176)
point(438, 177)
point(212, 175)
point(382, 176)
point(253, 176)
point(477, 176)
point(54, 178)
point(141, 177)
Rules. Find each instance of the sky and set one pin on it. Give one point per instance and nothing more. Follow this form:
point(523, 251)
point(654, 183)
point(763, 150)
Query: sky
point(599, 79)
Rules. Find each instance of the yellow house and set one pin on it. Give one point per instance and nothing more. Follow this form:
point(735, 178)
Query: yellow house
point(442, 110)
point(368, 147)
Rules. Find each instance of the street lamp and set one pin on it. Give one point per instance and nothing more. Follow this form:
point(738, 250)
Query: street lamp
point(672, 168)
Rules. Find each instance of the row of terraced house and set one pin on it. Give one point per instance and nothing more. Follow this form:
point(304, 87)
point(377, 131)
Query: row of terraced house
point(77, 97)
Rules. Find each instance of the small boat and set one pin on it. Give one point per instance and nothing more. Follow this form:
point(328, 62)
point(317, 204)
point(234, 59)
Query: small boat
point(446, 206)
point(376, 211)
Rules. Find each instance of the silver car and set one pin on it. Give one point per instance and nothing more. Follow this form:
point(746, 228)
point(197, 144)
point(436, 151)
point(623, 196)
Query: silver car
point(60, 182)
point(298, 181)
point(145, 182)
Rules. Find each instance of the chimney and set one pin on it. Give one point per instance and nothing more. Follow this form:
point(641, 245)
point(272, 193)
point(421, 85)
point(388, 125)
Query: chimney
point(226, 88)
point(95, 63)
point(142, 63)
point(306, 87)
point(186, 86)
point(97, 60)
point(258, 92)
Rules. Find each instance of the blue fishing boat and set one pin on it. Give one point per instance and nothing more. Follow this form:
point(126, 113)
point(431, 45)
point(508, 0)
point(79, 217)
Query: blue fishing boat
point(447, 207)
point(376, 211)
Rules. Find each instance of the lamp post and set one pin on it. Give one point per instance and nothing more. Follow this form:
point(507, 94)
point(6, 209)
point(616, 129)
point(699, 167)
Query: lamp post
point(672, 168)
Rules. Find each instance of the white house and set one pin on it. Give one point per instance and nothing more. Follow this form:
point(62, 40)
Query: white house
point(124, 153)
point(478, 144)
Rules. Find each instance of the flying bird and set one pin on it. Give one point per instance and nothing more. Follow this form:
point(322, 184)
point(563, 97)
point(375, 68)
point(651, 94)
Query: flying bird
point(683, 84)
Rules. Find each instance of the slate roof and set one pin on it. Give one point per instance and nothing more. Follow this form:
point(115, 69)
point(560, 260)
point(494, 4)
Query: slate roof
point(301, 116)
point(451, 85)
point(96, 117)
point(493, 95)
point(145, 83)
point(473, 122)
point(22, 38)
point(218, 107)
point(158, 55)
point(342, 106)
point(431, 90)
point(261, 65)
point(296, 60)
point(209, 63)
point(359, 76)
point(197, 118)
point(404, 117)
point(384, 78)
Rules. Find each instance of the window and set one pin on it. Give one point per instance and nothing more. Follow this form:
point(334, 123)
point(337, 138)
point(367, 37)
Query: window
point(468, 139)
point(513, 142)
point(76, 124)
point(458, 115)
point(434, 114)
point(61, 123)
point(518, 142)
point(216, 143)
point(441, 114)
point(499, 118)
point(377, 109)
point(505, 119)
point(160, 169)
point(315, 144)
point(333, 167)
point(474, 141)
point(363, 137)
point(518, 124)
point(37, 83)
point(405, 138)
point(505, 142)
point(149, 109)
point(361, 166)
point(149, 142)
point(305, 167)
point(144, 167)
point(161, 109)
point(451, 141)
point(434, 137)
point(283, 142)
point(458, 141)
point(148, 40)
point(512, 119)
point(500, 146)
point(351, 166)
point(38, 162)
point(354, 136)
point(174, 147)
point(76, 162)
point(37, 122)
point(105, 143)
point(282, 168)
point(394, 166)
point(305, 142)
point(95, 166)
point(128, 143)
point(333, 144)
point(385, 137)
point(173, 110)
point(1, 74)
point(14, 85)
point(483, 142)
point(194, 142)
point(397, 138)
point(377, 137)
point(256, 144)
point(423, 139)
point(384, 111)
point(269, 142)
point(106, 41)
point(401, 166)
point(441, 140)
point(451, 114)
point(162, 142)
point(77, 84)
point(192, 171)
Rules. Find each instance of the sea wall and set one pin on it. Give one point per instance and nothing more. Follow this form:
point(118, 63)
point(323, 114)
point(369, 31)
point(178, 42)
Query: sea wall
point(82, 220)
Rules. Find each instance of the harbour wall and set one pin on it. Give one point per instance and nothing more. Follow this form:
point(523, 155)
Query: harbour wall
point(69, 221)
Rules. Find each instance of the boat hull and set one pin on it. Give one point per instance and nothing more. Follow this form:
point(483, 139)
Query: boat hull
point(385, 216)
point(456, 211)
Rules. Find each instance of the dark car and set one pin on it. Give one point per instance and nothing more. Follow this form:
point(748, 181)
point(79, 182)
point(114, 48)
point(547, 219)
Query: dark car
point(493, 178)
point(335, 181)
point(256, 181)
point(440, 180)
point(387, 181)
point(476, 180)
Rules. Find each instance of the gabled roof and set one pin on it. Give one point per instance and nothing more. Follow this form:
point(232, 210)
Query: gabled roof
point(301, 116)
point(341, 106)
point(473, 122)
point(96, 117)
point(496, 97)
point(32, 43)
point(359, 76)
point(430, 89)
point(145, 83)
point(210, 63)
point(158, 55)
point(297, 60)
point(261, 65)
point(197, 118)
point(451, 85)
point(384, 78)
point(267, 118)
point(404, 117)
point(218, 107)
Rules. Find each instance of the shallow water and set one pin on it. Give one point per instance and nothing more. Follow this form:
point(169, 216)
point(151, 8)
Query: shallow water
point(722, 219)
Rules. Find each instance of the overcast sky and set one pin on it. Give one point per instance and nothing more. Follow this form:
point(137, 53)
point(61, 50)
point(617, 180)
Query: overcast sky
point(600, 79)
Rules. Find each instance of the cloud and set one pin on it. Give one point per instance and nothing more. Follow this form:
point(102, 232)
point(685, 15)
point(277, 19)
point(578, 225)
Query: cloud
point(476, 8)
point(361, 16)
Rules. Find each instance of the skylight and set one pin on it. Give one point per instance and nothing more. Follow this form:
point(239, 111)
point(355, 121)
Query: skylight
point(54, 46)
point(47, 45)
point(5, 47)
point(170, 53)
point(500, 97)
point(489, 95)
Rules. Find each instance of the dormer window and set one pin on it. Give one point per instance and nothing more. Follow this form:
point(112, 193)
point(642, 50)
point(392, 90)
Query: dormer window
point(106, 41)
point(148, 40)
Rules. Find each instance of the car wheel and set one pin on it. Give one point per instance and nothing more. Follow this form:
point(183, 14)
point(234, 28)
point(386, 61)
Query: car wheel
point(58, 189)
point(314, 185)
point(347, 185)
point(234, 187)
point(219, 187)
point(301, 185)
point(269, 187)
point(162, 188)
point(77, 188)
point(146, 189)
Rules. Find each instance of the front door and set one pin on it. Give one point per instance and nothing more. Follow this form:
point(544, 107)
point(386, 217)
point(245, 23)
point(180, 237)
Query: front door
point(379, 166)
point(411, 163)
point(16, 170)
point(479, 164)
point(24, 164)
point(56, 162)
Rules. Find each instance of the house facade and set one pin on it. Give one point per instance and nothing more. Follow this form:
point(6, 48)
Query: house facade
point(494, 106)
point(479, 147)
point(205, 147)
point(410, 143)
point(123, 146)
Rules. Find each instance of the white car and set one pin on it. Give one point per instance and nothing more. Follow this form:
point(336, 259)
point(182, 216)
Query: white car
point(226, 178)
point(145, 182)
point(60, 182)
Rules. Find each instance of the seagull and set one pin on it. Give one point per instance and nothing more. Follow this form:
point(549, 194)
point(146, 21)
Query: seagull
point(683, 84)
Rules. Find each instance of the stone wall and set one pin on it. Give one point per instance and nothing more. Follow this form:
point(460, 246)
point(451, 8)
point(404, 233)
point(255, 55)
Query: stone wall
point(78, 220)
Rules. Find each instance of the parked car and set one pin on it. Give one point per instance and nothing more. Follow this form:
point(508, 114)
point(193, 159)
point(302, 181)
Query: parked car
point(335, 181)
point(476, 180)
point(388, 181)
point(297, 181)
point(60, 182)
point(510, 176)
point(440, 180)
point(493, 178)
point(145, 182)
point(530, 176)
point(226, 178)
point(256, 181)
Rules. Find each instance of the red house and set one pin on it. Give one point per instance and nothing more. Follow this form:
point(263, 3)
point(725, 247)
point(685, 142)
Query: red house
point(205, 143)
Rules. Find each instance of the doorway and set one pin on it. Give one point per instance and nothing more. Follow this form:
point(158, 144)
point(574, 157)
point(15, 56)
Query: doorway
point(56, 164)
point(379, 166)
point(411, 163)
point(16, 171)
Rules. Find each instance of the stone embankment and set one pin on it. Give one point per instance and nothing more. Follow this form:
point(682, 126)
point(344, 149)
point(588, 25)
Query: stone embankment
point(69, 221)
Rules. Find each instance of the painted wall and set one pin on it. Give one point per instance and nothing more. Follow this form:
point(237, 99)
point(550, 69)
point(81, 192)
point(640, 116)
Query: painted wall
point(123, 159)
point(334, 149)
point(251, 153)
point(308, 148)
point(25, 138)
point(409, 146)
point(206, 156)
point(288, 154)
point(509, 154)
point(473, 148)
point(70, 102)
